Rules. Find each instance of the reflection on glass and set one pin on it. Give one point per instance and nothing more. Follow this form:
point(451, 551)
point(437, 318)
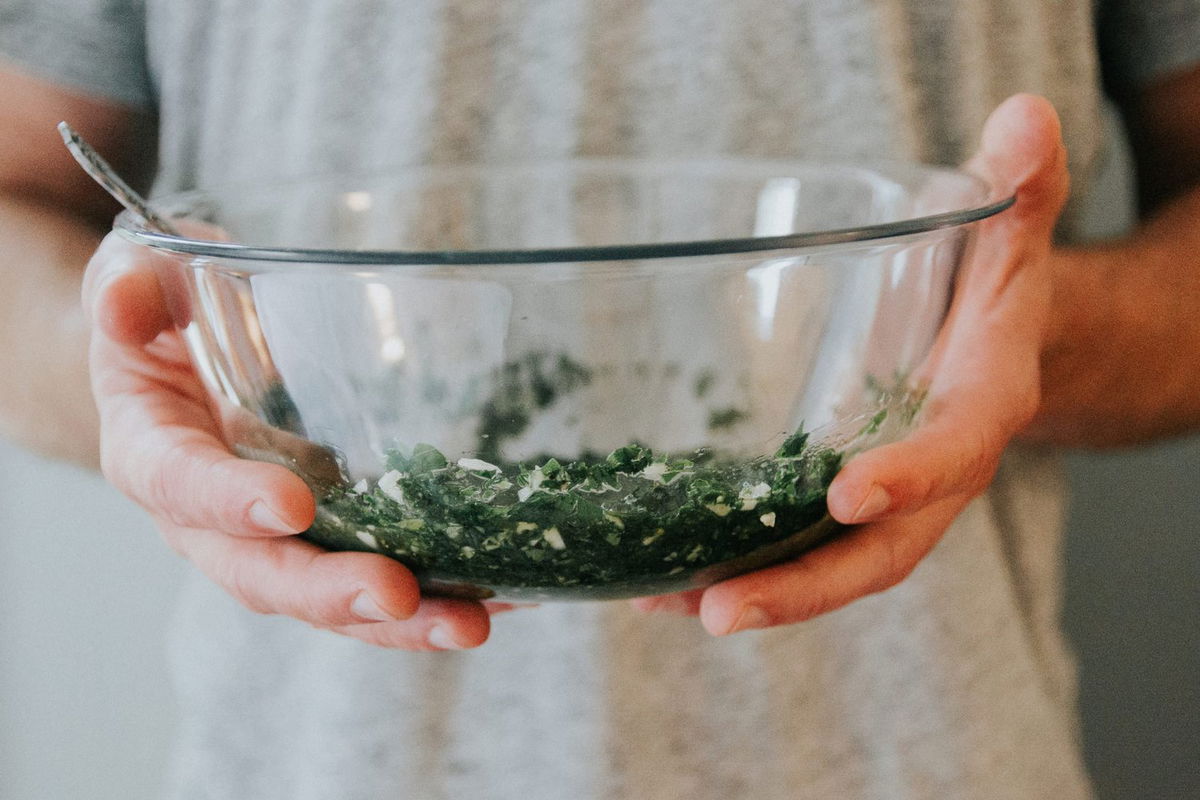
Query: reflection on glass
point(383, 309)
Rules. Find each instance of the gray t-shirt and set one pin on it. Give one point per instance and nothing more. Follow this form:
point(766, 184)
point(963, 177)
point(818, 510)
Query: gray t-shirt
point(956, 683)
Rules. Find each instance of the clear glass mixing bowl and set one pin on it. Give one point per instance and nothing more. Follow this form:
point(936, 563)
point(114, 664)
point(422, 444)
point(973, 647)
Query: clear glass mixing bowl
point(585, 379)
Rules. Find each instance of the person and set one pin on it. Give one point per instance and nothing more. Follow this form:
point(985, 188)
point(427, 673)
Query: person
point(954, 682)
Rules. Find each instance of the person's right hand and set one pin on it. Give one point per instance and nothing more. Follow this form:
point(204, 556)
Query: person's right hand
point(232, 518)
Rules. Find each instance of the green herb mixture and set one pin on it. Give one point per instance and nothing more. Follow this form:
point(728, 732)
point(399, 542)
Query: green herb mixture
point(630, 518)
point(631, 522)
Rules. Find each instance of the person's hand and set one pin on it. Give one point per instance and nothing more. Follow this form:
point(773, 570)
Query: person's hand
point(233, 518)
point(984, 387)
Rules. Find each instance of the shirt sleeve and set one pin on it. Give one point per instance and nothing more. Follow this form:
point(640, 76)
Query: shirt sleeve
point(96, 47)
point(1142, 40)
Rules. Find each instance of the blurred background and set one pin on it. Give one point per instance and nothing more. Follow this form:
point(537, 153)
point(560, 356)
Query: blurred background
point(87, 592)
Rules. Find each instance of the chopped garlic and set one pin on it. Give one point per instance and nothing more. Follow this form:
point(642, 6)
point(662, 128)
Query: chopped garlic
point(536, 477)
point(389, 484)
point(360, 487)
point(654, 472)
point(768, 519)
point(476, 465)
point(526, 526)
point(554, 538)
point(368, 540)
point(652, 538)
point(750, 495)
point(720, 509)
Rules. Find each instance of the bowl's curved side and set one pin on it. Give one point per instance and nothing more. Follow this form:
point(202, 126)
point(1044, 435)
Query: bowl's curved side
point(765, 556)
point(572, 430)
point(477, 214)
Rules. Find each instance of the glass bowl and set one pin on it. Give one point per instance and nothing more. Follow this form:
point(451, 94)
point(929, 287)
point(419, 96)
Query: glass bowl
point(582, 379)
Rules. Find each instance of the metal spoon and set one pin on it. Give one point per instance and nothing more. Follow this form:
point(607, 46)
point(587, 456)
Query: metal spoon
point(100, 171)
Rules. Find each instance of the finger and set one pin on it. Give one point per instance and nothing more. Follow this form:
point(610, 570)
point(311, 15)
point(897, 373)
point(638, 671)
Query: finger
point(188, 477)
point(956, 451)
point(439, 624)
point(160, 449)
point(861, 562)
point(986, 390)
point(121, 293)
point(160, 446)
point(298, 579)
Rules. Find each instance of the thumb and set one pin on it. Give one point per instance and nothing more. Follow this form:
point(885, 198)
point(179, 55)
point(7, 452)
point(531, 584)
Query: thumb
point(1021, 153)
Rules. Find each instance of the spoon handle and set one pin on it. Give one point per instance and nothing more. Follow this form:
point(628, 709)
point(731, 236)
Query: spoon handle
point(100, 171)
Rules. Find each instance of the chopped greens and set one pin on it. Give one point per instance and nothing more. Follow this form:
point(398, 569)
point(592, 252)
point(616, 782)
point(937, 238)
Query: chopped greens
point(725, 418)
point(524, 387)
point(598, 526)
point(630, 522)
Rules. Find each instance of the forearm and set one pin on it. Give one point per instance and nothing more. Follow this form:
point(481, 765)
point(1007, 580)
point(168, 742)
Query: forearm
point(45, 401)
point(1122, 363)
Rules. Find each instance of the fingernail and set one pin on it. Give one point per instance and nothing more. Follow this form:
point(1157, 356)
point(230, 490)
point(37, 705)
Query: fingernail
point(263, 517)
point(365, 606)
point(876, 502)
point(750, 618)
point(439, 637)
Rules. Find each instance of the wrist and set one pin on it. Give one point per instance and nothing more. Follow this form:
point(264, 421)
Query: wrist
point(1113, 365)
point(1083, 330)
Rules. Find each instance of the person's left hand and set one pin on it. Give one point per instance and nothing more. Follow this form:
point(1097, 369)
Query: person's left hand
point(984, 387)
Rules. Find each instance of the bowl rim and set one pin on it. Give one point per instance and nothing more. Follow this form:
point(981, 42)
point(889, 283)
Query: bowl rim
point(133, 228)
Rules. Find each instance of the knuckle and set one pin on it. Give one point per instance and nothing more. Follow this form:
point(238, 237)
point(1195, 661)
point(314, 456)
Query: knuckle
point(178, 487)
point(890, 568)
point(812, 597)
point(170, 535)
point(320, 611)
point(162, 476)
point(327, 615)
point(926, 486)
point(389, 635)
point(309, 599)
point(979, 467)
point(883, 567)
point(890, 562)
point(110, 466)
point(980, 473)
point(238, 584)
point(812, 604)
